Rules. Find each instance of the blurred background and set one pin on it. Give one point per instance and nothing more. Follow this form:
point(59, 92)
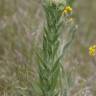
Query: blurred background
point(21, 26)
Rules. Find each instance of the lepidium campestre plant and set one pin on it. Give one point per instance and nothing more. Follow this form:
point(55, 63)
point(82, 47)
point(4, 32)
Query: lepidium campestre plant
point(59, 17)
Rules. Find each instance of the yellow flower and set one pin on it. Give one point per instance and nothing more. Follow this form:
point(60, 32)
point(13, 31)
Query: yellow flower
point(92, 50)
point(67, 10)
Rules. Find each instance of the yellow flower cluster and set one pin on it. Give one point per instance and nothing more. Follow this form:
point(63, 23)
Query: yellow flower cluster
point(67, 10)
point(92, 50)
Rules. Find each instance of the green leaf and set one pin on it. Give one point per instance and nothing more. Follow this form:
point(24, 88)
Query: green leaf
point(42, 63)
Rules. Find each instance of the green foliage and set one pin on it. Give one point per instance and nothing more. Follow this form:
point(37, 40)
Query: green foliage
point(49, 66)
